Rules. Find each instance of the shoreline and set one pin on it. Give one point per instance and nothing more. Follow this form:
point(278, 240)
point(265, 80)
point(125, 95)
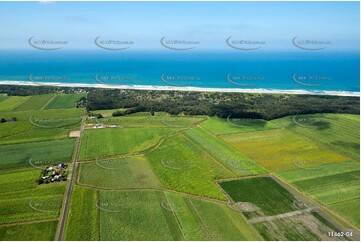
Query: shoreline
point(192, 89)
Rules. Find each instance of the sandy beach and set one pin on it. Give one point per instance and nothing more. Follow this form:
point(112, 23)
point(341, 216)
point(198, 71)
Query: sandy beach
point(193, 89)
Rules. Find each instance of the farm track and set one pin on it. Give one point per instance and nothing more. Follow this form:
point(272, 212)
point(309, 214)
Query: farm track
point(348, 200)
point(278, 216)
point(155, 189)
point(14, 109)
point(30, 222)
point(48, 102)
point(70, 186)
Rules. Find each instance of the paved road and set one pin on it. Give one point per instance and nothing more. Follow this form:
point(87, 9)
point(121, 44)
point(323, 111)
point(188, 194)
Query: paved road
point(70, 187)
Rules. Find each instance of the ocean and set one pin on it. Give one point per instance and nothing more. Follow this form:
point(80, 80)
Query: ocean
point(312, 71)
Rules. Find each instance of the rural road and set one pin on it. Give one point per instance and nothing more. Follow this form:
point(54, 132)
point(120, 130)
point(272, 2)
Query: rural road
point(70, 187)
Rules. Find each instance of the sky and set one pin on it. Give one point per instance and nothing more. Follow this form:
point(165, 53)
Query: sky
point(209, 23)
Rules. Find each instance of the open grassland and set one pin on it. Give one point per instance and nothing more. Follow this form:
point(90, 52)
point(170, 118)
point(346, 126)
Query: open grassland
point(65, 101)
point(231, 158)
point(223, 126)
point(38, 152)
point(39, 125)
point(265, 194)
point(177, 217)
point(102, 143)
point(30, 232)
point(129, 172)
point(23, 200)
point(279, 149)
point(12, 102)
point(339, 132)
point(183, 166)
point(35, 102)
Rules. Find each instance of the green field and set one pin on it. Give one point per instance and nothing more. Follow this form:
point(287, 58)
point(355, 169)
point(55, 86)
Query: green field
point(336, 185)
point(38, 138)
point(3, 97)
point(102, 143)
point(35, 102)
point(228, 156)
point(34, 231)
point(275, 212)
point(349, 209)
point(339, 132)
point(130, 172)
point(165, 177)
point(183, 166)
point(279, 149)
point(39, 125)
point(223, 126)
point(272, 199)
point(80, 225)
point(41, 152)
point(178, 218)
point(65, 101)
point(12, 102)
point(22, 199)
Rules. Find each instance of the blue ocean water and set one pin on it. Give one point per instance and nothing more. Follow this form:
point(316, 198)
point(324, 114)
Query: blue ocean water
point(311, 71)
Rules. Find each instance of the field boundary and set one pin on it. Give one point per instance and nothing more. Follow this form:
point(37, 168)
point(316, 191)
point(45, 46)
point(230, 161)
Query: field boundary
point(48, 102)
point(155, 189)
point(29, 222)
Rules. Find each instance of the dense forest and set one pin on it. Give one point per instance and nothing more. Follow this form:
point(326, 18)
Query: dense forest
point(239, 105)
point(18, 90)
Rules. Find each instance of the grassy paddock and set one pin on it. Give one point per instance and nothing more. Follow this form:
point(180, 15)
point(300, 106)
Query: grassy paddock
point(39, 152)
point(183, 166)
point(117, 141)
point(65, 101)
point(127, 172)
point(219, 126)
point(31, 232)
point(12, 102)
point(35, 102)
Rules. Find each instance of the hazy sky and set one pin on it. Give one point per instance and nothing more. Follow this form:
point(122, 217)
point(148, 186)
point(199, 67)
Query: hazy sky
point(210, 23)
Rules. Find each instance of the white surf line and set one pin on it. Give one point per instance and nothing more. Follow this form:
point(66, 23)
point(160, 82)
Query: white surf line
point(278, 216)
point(192, 89)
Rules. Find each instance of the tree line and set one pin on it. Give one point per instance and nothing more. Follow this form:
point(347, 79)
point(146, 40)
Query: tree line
point(238, 105)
